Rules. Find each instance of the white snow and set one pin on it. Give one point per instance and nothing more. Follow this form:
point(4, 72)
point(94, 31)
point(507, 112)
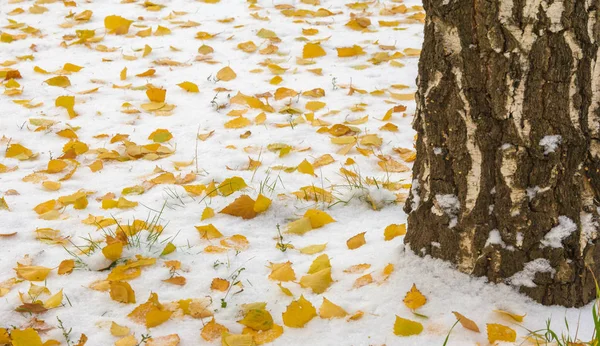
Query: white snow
point(494, 238)
point(555, 236)
point(448, 204)
point(550, 143)
point(526, 276)
point(532, 192)
point(226, 154)
point(414, 190)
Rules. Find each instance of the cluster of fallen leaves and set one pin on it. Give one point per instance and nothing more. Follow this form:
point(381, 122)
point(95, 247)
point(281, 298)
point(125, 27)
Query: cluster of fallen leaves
point(347, 129)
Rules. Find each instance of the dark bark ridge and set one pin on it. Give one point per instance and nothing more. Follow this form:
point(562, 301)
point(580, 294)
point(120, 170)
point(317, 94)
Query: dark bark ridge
point(506, 182)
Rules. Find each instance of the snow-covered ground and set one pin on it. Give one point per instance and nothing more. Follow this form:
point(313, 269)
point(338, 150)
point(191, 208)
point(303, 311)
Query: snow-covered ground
point(329, 99)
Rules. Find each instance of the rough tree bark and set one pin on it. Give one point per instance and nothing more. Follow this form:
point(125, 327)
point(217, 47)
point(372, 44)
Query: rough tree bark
point(507, 176)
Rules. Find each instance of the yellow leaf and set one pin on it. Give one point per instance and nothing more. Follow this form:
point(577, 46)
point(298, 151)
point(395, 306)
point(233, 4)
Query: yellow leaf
point(219, 284)
point(262, 337)
point(19, 152)
point(299, 226)
point(207, 213)
point(231, 185)
point(306, 168)
point(209, 232)
point(312, 50)
point(257, 319)
point(262, 203)
point(25, 337)
point(404, 327)
point(54, 301)
point(414, 299)
point(236, 339)
point(66, 267)
point(156, 317)
point(466, 323)
point(160, 136)
point(165, 340)
point(499, 332)
point(318, 282)
point(67, 102)
point(58, 81)
point(121, 291)
point(32, 273)
point(394, 230)
point(147, 51)
point(56, 166)
point(282, 272)
point(162, 31)
point(517, 318)
point(226, 74)
point(323, 160)
point(363, 281)
point(242, 206)
point(129, 340)
point(123, 74)
point(313, 249)
point(356, 241)
point(189, 87)
point(318, 218)
point(169, 248)
point(346, 52)
point(320, 263)
point(282, 93)
point(314, 105)
point(72, 68)
point(213, 330)
point(113, 251)
point(248, 47)
point(117, 330)
point(147, 73)
point(156, 94)
point(298, 313)
point(357, 268)
point(276, 80)
point(117, 25)
point(238, 123)
point(330, 310)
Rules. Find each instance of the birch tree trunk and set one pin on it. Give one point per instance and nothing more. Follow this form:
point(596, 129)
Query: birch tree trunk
point(507, 176)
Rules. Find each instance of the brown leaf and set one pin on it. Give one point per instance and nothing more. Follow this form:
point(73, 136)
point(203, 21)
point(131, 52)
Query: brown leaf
point(33, 308)
point(466, 323)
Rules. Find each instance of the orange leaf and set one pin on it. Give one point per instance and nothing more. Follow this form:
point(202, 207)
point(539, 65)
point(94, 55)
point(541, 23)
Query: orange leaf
point(243, 207)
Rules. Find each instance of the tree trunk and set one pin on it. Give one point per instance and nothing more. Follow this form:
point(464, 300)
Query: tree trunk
point(507, 176)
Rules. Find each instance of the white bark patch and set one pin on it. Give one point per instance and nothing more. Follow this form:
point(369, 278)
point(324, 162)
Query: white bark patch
point(467, 259)
point(550, 143)
point(577, 55)
point(590, 25)
point(508, 171)
point(589, 231)
point(526, 276)
point(474, 175)
point(526, 38)
point(558, 233)
point(554, 13)
point(595, 148)
point(593, 119)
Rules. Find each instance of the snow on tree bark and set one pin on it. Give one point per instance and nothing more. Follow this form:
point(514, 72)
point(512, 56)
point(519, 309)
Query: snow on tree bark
point(510, 92)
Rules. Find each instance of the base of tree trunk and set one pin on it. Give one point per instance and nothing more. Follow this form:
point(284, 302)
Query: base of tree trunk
point(506, 182)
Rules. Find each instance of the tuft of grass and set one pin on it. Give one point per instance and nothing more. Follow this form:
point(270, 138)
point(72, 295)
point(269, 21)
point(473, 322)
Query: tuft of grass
point(280, 244)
